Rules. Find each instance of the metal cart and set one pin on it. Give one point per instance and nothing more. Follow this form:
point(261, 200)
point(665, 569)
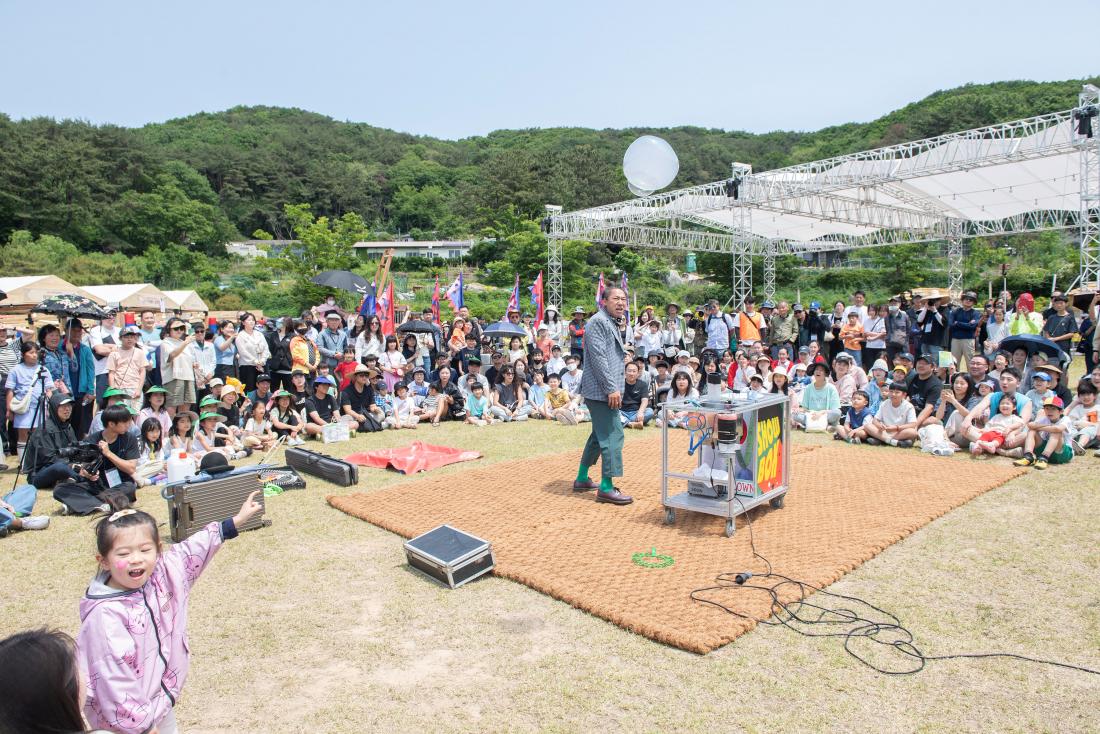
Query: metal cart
point(757, 470)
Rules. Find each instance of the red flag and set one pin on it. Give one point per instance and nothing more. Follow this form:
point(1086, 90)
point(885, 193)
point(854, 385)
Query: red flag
point(435, 300)
point(537, 299)
point(386, 310)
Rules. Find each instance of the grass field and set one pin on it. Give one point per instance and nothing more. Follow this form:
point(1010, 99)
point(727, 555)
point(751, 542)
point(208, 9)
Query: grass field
point(317, 625)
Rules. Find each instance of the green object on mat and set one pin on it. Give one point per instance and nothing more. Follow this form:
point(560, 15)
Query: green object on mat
point(652, 560)
point(270, 490)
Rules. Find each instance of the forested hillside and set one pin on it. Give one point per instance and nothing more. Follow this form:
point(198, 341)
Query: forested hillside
point(204, 179)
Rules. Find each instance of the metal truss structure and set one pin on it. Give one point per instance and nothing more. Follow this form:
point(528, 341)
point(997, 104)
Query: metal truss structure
point(1039, 173)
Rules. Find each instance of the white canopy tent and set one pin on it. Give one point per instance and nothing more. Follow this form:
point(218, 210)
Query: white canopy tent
point(1029, 175)
point(131, 296)
point(186, 301)
point(27, 291)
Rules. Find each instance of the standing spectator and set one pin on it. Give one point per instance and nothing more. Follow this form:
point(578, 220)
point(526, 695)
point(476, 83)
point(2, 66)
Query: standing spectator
point(834, 322)
point(103, 339)
point(962, 327)
point(1060, 327)
point(150, 338)
point(370, 341)
point(555, 327)
point(304, 354)
point(812, 329)
point(852, 336)
point(178, 365)
point(54, 358)
point(748, 325)
point(897, 330)
point(718, 327)
point(674, 326)
point(81, 376)
point(392, 363)
point(859, 299)
point(126, 366)
point(226, 350)
point(9, 357)
point(252, 351)
point(783, 330)
point(431, 345)
point(1024, 320)
point(996, 329)
point(576, 333)
point(874, 332)
point(332, 340)
point(206, 357)
point(25, 387)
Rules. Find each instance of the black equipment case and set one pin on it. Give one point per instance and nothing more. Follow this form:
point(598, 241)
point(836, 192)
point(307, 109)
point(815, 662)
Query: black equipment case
point(326, 467)
point(450, 556)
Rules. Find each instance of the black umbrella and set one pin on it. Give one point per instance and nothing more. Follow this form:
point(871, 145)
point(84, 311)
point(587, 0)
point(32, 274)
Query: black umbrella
point(503, 329)
point(71, 304)
point(345, 280)
point(1032, 343)
point(416, 326)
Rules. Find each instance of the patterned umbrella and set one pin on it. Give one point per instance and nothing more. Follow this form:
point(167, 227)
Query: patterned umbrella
point(71, 304)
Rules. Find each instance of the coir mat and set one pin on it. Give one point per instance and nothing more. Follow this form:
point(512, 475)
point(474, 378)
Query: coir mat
point(846, 504)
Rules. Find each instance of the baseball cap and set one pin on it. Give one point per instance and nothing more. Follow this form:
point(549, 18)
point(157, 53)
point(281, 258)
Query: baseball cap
point(475, 360)
point(803, 350)
point(209, 400)
point(800, 367)
point(925, 358)
point(903, 368)
point(1041, 376)
point(845, 357)
point(263, 378)
point(815, 305)
point(798, 307)
point(323, 380)
point(1054, 401)
point(64, 400)
point(906, 356)
point(216, 382)
point(113, 392)
point(130, 330)
point(683, 353)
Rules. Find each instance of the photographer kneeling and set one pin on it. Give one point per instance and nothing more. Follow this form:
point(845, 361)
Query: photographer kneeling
point(109, 483)
point(45, 457)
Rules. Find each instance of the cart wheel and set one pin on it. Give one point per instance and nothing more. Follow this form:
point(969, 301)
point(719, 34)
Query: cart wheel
point(730, 527)
point(670, 516)
point(777, 503)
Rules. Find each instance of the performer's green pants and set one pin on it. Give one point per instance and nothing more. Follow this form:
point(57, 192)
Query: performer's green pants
point(606, 439)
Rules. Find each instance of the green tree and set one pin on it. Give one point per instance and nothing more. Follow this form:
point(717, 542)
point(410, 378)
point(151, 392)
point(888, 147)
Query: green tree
point(321, 245)
point(174, 266)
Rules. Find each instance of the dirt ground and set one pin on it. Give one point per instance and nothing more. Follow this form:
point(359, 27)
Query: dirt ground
point(317, 625)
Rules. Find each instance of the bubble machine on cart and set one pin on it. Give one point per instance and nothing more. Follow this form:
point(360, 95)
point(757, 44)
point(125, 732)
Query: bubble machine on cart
point(742, 447)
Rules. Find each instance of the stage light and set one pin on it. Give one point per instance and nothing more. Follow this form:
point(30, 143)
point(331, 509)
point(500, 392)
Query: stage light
point(733, 187)
point(1084, 120)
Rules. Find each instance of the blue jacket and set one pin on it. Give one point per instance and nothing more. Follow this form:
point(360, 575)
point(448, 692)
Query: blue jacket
point(963, 322)
point(81, 370)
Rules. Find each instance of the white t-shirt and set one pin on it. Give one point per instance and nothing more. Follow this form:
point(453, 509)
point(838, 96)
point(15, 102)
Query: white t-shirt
point(1064, 422)
point(571, 383)
point(97, 336)
point(861, 310)
point(877, 323)
point(1090, 416)
point(892, 416)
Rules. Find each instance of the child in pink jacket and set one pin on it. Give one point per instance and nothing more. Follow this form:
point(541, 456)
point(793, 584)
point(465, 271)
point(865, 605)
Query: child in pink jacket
point(132, 647)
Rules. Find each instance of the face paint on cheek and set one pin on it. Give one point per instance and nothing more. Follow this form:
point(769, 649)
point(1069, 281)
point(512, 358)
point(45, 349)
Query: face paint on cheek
point(121, 565)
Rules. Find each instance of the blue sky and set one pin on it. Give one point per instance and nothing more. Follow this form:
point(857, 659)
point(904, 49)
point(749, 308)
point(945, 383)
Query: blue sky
point(458, 69)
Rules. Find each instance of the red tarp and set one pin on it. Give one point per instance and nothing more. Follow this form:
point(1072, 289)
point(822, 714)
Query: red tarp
point(416, 457)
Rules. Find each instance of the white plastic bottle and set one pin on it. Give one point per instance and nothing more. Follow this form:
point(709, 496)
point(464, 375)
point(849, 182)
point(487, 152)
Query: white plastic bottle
point(180, 466)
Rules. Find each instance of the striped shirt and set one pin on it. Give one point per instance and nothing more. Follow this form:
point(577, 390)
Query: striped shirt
point(9, 356)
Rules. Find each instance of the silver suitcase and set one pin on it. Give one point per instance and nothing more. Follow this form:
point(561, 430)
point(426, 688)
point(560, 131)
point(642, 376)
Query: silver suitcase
point(195, 504)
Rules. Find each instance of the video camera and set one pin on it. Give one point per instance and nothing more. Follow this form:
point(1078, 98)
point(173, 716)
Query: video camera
point(84, 453)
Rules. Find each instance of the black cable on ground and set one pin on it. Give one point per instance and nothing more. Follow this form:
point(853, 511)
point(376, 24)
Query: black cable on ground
point(870, 624)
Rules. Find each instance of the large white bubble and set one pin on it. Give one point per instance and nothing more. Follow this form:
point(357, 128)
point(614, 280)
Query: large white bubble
point(650, 164)
point(636, 191)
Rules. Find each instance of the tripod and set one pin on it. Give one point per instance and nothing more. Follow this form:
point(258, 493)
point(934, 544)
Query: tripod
point(30, 452)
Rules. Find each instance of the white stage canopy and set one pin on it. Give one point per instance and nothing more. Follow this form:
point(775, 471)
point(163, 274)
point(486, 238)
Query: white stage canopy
point(1028, 175)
